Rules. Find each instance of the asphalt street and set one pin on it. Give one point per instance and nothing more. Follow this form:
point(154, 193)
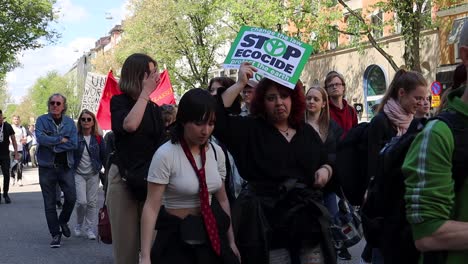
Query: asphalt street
point(24, 237)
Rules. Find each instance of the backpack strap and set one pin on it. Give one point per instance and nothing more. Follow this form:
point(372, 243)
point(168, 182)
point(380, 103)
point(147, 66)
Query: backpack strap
point(458, 125)
point(214, 151)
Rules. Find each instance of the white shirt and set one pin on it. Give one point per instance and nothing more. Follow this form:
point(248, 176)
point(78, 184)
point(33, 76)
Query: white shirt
point(170, 166)
point(20, 133)
point(85, 167)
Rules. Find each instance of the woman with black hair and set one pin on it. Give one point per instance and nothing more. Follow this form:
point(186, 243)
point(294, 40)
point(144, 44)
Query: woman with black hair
point(187, 177)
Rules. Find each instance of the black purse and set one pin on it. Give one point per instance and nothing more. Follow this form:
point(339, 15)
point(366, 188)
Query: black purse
point(192, 230)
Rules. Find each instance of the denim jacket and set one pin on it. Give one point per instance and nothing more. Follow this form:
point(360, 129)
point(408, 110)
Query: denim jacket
point(49, 137)
point(97, 152)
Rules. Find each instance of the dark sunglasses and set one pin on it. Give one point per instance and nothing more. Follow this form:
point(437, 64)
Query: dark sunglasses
point(52, 103)
point(86, 119)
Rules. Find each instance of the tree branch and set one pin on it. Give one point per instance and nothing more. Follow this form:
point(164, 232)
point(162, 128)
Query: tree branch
point(371, 38)
point(335, 28)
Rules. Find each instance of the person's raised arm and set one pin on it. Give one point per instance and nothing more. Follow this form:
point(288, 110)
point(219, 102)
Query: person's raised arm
point(246, 71)
point(133, 120)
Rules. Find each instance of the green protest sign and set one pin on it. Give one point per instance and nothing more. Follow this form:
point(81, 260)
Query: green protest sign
point(276, 56)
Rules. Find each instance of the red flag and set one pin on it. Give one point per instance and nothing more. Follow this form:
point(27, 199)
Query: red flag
point(103, 115)
point(163, 93)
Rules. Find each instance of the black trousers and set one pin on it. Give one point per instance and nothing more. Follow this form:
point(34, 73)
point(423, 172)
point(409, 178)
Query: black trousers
point(169, 247)
point(5, 164)
point(48, 179)
point(18, 168)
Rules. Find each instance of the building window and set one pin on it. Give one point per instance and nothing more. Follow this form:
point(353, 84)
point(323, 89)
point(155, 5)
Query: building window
point(333, 43)
point(352, 26)
point(457, 26)
point(375, 85)
point(377, 25)
point(457, 51)
point(397, 24)
point(454, 36)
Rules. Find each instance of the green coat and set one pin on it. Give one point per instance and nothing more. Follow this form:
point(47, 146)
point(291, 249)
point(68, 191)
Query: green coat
point(430, 197)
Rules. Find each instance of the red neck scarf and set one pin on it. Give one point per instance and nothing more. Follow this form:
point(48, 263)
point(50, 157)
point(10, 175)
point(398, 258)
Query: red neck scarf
point(208, 217)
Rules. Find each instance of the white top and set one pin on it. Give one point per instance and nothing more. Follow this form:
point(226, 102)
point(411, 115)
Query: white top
point(170, 166)
point(85, 167)
point(20, 133)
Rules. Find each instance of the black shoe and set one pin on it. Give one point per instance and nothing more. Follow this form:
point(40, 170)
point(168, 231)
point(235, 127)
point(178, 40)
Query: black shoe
point(7, 198)
point(56, 241)
point(59, 205)
point(65, 230)
point(343, 254)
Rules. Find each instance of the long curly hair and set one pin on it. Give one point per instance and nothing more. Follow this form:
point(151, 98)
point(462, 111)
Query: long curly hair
point(298, 105)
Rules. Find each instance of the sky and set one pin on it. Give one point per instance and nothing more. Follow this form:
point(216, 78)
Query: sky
point(81, 23)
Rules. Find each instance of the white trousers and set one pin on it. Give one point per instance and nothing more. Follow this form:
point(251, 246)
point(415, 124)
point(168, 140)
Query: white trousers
point(87, 187)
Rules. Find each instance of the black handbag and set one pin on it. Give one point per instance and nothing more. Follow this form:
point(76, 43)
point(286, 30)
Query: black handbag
point(192, 230)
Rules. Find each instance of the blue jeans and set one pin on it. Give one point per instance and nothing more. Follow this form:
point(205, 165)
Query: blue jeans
point(48, 179)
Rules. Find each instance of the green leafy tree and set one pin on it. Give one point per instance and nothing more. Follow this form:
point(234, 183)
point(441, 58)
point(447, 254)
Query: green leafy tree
point(268, 14)
point(4, 95)
point(413, 16)
point(105, 61)
point(46, 86)
point(316, 22)
point(183, 35)
point(24, 110)
point(24, 25)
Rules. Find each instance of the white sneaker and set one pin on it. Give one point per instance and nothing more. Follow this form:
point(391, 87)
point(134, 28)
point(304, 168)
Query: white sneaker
point(20, 182)
point(91, 235)
point(78, 231)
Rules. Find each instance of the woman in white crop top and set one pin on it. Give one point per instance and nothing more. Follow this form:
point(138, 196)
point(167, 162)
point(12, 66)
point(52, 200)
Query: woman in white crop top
point(176, 179)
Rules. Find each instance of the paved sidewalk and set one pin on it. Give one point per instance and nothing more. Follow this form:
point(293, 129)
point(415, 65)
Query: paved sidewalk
point(24, 236)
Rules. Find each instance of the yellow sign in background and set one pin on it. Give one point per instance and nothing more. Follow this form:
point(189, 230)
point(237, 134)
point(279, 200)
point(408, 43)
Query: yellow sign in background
point(435, 101)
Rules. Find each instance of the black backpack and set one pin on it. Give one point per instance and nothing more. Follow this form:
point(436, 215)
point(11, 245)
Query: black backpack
point(351, 163)
point(384, 213)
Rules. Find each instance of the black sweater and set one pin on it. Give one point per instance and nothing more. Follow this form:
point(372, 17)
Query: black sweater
point(263, 155)
point(380, 132)
point(334, 134)
point(136, 149)
point(266, 159)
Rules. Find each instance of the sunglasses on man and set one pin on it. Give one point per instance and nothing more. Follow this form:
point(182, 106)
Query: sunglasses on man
point(52, 103)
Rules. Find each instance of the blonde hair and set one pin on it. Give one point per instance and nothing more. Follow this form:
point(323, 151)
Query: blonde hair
point(324, 118)
point(94, 129)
